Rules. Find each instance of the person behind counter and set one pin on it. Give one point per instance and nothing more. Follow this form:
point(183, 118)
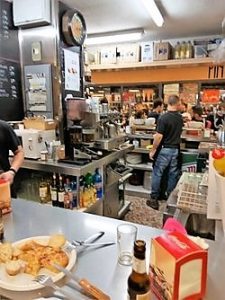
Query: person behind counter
point(167, 139)
point(157, 109)
point(197, 112)
point(9, 141)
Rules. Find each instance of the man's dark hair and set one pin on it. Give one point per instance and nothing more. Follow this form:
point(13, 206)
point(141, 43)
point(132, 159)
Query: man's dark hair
point(173, 100)
point(157, 102)
point(197, 109)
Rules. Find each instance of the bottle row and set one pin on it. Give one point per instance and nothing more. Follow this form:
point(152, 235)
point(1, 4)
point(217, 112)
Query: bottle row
point(67, 192)
point(183, 50)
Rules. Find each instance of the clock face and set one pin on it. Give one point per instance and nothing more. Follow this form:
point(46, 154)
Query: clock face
point(77, 29)
point(74, 28)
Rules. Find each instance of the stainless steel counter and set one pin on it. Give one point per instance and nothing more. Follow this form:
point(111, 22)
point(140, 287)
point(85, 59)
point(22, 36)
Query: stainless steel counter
point(98, 265)
point(72, 169)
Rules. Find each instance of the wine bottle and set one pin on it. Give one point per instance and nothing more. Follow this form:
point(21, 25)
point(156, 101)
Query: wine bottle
point(61, 192)
point(138, 281)
point(44, 194)
point(54, 194)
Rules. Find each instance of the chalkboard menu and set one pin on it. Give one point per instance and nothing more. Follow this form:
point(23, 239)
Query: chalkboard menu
point(11, 103)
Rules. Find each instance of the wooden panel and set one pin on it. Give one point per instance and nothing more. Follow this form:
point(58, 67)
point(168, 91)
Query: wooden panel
point(166, 71)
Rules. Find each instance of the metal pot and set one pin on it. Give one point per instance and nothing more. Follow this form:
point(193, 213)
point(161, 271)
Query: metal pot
point(221, 135)
point(112, 130)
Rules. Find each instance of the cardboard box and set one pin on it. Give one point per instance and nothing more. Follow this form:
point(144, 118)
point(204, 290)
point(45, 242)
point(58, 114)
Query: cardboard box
point(39, 123)
point(147, 52)
point(128, 53)
point(162, 51)
point(178, 268)
point(200, 51)
point(108, 55)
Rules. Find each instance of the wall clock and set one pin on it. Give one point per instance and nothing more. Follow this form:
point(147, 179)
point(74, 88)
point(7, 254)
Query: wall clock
point(73, 28)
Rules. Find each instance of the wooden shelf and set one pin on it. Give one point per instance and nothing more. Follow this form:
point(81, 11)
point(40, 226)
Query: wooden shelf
point(155, 64)
point(167, 71)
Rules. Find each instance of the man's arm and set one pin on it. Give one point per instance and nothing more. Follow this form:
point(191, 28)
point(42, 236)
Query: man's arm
point(156, 142)
point(16, 163)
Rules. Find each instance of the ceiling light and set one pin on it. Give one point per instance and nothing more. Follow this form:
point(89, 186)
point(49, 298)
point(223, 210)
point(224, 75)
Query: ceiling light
point(154, 12)
point(114, 37)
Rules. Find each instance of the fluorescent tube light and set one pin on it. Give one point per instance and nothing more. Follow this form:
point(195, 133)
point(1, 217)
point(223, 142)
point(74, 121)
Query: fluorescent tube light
point(114, 37)
point(154, 12)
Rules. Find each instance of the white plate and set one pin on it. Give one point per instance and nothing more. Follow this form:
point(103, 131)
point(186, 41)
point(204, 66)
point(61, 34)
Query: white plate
point(24, 282)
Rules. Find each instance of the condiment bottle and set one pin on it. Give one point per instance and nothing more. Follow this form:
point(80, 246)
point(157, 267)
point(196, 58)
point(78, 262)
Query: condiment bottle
point(138, 281)
point(1, 227)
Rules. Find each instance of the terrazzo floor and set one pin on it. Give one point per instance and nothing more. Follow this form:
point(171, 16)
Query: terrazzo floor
point(140, 213)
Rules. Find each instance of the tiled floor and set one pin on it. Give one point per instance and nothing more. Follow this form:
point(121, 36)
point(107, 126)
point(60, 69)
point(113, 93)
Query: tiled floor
point(142, 214)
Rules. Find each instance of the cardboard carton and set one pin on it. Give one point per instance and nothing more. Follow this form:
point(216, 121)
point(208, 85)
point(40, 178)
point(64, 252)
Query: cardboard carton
point(162, 51)
point(178, 268)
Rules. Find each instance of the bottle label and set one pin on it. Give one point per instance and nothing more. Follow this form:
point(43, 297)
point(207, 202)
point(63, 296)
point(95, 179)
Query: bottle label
point(139, 265)
point(61, 196)
point(54, 195)
point(43, 191)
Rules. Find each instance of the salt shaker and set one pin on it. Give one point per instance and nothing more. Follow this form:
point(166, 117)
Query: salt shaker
point(1, 227)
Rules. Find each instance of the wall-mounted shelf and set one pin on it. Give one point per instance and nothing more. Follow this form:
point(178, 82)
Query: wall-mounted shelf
point(176, 63)
point(193, 69)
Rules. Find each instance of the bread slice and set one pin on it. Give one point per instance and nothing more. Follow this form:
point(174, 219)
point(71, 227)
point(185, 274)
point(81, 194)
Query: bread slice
point(57, 240)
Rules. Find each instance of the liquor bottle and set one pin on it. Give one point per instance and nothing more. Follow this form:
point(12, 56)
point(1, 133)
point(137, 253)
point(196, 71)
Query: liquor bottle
point(97, 180)
point(1, 227)
point(73, 185)
point(61, 192)
point(44, 193)
point(138, 281)
point(54, 194)
point(68, 197)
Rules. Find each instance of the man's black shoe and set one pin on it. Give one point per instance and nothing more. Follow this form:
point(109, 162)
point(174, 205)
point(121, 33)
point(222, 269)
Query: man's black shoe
point(153, 203)
point(163, 197)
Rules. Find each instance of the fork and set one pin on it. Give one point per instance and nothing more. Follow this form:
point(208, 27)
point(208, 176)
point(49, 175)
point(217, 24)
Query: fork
point(47, 281)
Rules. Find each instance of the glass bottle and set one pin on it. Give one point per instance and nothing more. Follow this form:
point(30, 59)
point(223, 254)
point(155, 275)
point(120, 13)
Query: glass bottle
point(189, 50)
point(73, 185)
point(98, 184)
point(1, 227)
point(183, 50)
point(61, 192)
point(138, 281)
point(177, 51)
point(54, 194)
point(44, 193)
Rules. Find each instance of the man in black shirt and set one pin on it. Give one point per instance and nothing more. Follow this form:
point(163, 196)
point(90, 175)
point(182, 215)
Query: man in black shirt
point(9, 141)
point(167, 139)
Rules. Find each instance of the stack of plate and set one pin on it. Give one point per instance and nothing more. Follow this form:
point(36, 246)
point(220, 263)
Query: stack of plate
point(134, 158)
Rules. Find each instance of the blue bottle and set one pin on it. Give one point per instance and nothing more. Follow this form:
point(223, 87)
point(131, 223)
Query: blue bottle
point(97, 180)
point(73, 186)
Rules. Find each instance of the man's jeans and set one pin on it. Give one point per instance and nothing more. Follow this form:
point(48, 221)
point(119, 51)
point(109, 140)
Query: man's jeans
point(167, 157)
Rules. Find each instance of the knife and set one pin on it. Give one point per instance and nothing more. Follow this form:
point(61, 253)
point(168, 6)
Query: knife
point(95, 244)
point(94, 237)
point(84, 283)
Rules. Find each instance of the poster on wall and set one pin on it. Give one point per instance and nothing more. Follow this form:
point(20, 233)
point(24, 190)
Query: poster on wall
point(72, 70)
